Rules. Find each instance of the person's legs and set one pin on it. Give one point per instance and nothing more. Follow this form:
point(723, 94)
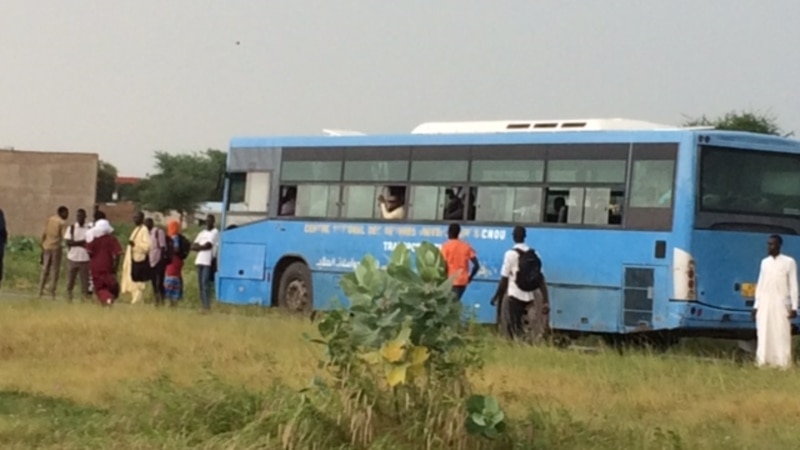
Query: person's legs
point(157, 281)
point(2, 255)
point(516, 314)
point(55, 271)
point(203, 281)
point(458, 291)
point(83, 274)
point(47, 261)
point(72, 273)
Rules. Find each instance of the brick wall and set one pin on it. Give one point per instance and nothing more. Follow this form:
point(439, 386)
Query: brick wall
point(34, 184)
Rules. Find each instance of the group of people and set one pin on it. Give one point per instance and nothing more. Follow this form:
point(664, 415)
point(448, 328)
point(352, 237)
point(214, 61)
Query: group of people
point(523, 302)
point(151, 256)
point(521, 299)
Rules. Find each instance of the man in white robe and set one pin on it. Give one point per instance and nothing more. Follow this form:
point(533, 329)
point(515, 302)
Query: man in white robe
point(775, 305)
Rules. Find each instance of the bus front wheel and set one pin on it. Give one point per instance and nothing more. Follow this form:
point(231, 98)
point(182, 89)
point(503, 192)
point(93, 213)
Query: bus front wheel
point(294, 289)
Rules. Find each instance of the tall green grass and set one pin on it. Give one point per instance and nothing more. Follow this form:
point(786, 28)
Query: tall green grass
point(80, 376)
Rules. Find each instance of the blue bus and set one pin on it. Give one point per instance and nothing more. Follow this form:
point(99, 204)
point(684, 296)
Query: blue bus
point(642, 228)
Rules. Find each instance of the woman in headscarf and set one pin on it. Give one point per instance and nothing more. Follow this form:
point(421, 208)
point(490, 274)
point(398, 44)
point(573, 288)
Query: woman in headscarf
point(3, 241)
point(173, 279)
point(104, 252)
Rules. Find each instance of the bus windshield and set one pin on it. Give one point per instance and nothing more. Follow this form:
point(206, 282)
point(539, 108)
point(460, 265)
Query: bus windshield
point(749, 182)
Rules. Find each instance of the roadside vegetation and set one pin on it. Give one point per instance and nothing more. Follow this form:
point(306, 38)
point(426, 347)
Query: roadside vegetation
point(392, 374)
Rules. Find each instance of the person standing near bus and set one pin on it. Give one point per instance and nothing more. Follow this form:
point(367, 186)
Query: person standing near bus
point(457, 255)
point(775, 305)
point(158, 259)
point(522, 291)
point(54, 231)
point(77, 256)
point(205, 244)
point(3, 241)
point(136, 270)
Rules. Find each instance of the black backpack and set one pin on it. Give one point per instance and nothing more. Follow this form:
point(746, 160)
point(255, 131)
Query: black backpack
point(185, 248)
point(529, 272)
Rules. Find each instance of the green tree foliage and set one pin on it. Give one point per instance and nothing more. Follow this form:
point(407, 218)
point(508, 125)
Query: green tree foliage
point(183, 181)
point(106, 181)
point(752, 121)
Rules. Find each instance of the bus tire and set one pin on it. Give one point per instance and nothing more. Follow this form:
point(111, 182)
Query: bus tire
point(294, 289)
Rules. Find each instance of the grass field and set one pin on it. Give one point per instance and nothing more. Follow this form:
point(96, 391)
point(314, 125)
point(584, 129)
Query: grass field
point(80, 376)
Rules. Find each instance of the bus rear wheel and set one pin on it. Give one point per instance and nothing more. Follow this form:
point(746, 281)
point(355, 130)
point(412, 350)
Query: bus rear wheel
point(294, 289)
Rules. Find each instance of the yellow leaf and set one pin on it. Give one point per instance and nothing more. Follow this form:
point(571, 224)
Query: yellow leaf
point(419, 355)
point(392, 351)
point(371, 357)
point(396, 375)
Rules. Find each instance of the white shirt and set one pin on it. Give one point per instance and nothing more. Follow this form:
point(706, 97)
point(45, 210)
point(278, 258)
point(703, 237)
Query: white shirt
point(777, 281)
point(77, 254)
point(510, 269)
point(204, 257)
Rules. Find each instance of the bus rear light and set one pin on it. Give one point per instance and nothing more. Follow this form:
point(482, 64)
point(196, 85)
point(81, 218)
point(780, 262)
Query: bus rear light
point(684, 276)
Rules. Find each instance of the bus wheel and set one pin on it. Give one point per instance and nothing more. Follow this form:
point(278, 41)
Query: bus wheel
point(294, 289)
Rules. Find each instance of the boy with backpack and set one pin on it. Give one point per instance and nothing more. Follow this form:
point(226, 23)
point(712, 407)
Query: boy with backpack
point(522, 290)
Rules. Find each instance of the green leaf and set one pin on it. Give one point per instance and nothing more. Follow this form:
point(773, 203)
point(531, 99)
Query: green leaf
point(478, 419)
point(491, 405)
point(401, 257)
point(475, 403)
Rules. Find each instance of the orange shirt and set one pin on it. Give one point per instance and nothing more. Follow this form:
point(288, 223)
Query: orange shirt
point(458, 254)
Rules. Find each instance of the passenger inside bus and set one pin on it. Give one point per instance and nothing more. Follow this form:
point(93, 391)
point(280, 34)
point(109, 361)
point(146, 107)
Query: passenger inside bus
point(471, 209)
point(288, 200)
point(392, 203)
point(615, 210)
point(559, 211)
point(454, 204)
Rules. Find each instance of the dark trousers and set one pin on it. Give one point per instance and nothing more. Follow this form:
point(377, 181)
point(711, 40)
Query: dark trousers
point(458, 291)
point(204, 283)
point(2, 255)
point(74, 270)
point(157, 279)
point(517, 310)
point(51, 268)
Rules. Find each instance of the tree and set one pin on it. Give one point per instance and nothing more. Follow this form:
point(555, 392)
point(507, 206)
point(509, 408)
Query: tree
point(106, 182)
point(184, 181)
point(752, 121)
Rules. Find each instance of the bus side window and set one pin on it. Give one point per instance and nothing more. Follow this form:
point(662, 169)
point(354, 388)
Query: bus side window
point(508, 204)
point(562, 205)
point(588, 206)
point(288, 200)
point(437, 203)
point(317, 200)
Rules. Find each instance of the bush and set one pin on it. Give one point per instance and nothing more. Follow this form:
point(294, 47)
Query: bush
point(401, 354)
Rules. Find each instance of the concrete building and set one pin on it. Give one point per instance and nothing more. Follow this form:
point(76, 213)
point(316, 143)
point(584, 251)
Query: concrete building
point(34, 184)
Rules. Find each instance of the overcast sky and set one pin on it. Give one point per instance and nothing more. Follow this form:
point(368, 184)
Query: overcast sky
point(125, 78)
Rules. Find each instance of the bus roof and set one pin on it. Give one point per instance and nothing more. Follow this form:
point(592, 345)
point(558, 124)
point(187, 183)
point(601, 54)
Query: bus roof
point(537, 126)
point(514, 132)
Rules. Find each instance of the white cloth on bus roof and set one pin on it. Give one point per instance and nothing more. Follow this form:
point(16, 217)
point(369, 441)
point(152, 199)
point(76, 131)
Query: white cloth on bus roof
point(776, 296)
point(510, 269)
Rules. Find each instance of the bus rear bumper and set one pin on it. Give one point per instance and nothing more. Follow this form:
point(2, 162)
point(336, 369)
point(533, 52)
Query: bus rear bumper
point(709, 321)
